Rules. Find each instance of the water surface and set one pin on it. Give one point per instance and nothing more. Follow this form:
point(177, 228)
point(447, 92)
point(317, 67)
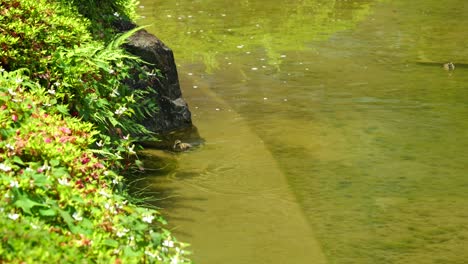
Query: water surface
point(333, 134)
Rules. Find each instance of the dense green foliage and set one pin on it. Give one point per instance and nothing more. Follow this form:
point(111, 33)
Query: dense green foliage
point(66, 115)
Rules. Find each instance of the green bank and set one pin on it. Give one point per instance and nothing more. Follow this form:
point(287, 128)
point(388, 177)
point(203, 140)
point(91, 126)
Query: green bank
point(66, 114)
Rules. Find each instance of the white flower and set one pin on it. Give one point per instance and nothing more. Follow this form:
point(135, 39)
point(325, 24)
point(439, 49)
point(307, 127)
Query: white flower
point(126, 137)
point(77, 216)
point(122, 232)
point(64, 181)
point(104, 193)
point(13, 216)
point(100, 144)
point(19, 80)
point(14, 184)
point(130, 149)
point(116, 14)
point(148, 218)
point(4, 167)
point(45, 167)
point(121, 110)
point(175, 260)
point(115, 181)
point(11, 92)
point(168, 243)
point(51, 91)
point(10, 147)
point(57, 84)
point(111, 71)
point(151, 254)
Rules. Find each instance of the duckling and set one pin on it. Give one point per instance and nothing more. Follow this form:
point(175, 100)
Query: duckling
point(449, 66)
point(180, 146)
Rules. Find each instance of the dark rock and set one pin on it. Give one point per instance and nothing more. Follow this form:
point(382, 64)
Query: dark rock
point(174, 114)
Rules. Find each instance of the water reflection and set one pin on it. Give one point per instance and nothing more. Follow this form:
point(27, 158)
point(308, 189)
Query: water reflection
point(213, 27)
point(351, 101)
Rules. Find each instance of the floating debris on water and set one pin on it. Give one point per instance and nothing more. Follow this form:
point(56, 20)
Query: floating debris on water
point(449, 66)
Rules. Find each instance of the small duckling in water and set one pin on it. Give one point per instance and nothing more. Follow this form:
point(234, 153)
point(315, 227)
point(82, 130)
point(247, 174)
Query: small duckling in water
point(449, 66)
point(180, 146)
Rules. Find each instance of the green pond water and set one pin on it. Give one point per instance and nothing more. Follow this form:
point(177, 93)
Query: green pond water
point(332, 132)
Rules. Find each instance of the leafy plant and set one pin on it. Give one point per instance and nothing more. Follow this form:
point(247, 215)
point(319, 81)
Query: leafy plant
point(66, 113)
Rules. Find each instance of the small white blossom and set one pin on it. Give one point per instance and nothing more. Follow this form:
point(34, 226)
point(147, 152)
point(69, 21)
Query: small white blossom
point(45, 167)
point(121, 110)
point(116, 14)
point(100, 144)
point(115, 181)
point(57, 84)
point(14, 184)
point(126, 137)
point(151, 254)
point(77, 216)
point(174, 260)
point(168, 243)
point(64, 182)
point(51, 91)
point(148, 218)
point(122, 232)
point(130, 149)
point(111, 71)
point(13, 216)
point(4, 167)
point(10, 147)
point(19, 80)
point(11, 92)
point(104, 193)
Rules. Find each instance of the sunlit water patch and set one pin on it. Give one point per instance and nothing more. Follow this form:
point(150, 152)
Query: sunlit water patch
point(351, 101)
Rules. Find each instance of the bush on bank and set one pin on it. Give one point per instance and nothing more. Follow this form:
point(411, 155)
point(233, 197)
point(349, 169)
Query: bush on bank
point(65, 120)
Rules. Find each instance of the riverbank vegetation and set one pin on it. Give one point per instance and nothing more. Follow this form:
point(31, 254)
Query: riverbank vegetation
point(66, 115)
